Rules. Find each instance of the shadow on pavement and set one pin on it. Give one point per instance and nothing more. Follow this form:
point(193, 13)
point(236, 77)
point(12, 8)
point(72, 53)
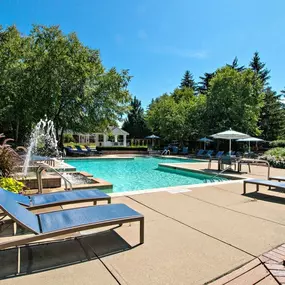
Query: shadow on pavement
point(47, 256)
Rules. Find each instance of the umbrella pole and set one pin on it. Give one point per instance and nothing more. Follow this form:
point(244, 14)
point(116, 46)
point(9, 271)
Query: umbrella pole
point(230, 152)
point(249, 146)
point(204, 145)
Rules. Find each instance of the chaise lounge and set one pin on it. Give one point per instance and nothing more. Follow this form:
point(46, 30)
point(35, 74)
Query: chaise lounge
point(58, 198)
point(262, 182)
point(55, 224)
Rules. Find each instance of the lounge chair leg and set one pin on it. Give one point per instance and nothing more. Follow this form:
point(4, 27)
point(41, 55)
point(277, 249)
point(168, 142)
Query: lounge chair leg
point(94, 203)
point(257, 187)
point(109, 201)
point(244, 187)
point(142, 230)
point(19, 260)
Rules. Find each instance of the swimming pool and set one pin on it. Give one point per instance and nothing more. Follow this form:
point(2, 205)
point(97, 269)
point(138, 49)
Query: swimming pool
point(140, 173)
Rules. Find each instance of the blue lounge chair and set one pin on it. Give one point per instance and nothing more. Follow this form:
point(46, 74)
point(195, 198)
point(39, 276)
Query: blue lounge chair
point(56, 224)
point(70, 151)
point(175, 150)
point(58, 198)
point(207, 154)
point(82, 151)
point(200, 152)
point(184, 150)
point(257, 182)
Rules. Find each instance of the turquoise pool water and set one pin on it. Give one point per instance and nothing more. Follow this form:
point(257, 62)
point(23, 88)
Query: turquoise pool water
point(140, 173)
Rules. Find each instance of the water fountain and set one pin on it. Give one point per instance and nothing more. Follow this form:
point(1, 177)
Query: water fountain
point(42, 142)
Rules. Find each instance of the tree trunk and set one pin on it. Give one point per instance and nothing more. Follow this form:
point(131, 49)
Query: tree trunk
point(17, 130)
point(61, 139)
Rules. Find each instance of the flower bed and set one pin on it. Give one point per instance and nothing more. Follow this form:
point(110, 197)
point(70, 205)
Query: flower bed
point(276, 157)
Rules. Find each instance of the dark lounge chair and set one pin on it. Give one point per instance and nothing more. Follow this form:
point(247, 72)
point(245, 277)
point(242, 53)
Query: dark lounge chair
point(58, 223)
point(93, 151)
point(58, 198)
point(262, 182)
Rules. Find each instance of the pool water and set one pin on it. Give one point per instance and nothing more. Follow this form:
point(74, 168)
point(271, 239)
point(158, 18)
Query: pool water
point(140, 173)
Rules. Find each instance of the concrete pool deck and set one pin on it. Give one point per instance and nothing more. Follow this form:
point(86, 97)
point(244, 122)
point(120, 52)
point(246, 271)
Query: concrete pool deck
point(190, 238)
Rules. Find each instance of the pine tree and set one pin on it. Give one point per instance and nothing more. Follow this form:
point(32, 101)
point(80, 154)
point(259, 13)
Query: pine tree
point(188, 81)
point(135, 123)
point(235, 66)
point(204, 84)
point(259, 68)
point(272, 120)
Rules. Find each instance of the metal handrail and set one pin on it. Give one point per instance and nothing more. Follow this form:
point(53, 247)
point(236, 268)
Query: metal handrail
point(44, 166)
point(248, 161)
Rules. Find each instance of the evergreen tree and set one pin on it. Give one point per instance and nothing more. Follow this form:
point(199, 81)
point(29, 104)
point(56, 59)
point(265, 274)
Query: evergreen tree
point(259, 68)
point(272, 120)
point(235, 66)
point(204, 84)
point(188, 81)
point(135, 123)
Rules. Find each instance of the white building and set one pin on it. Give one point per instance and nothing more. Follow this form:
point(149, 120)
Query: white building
point(115, 136)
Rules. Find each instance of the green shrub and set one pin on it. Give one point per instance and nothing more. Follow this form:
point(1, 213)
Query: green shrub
point(278, 143)
point(276, 157)
point(68, 138)
point(11, 184)
point(277, 152)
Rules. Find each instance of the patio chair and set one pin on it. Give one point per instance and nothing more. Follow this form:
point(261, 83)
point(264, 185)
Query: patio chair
point(200, 153)
point(262, 182)
point(175, 150)
point(207, 154)
point(58, 198)
point(184, 150)
point(70, 151)
point(215, 157)
point(93, 150)
point(64, 222)
point(82, 151)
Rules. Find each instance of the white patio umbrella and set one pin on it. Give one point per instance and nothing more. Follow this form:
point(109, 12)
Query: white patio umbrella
point(230, 135)
point(152, 137)
point(250, 139)
point(205, 140)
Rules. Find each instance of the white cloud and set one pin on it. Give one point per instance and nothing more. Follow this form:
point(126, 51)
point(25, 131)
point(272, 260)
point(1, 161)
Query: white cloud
point(180, 52)
point(142, 34)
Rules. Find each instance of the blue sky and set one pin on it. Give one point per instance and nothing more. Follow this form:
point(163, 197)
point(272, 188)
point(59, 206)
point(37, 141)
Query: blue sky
point(157, 40)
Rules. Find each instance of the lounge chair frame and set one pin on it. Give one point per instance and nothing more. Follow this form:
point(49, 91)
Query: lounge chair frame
point(42, 236)
point(258, 182)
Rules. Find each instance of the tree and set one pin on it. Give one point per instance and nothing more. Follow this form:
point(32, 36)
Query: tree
point(235, 66)
point(135, 123)
point(182, 94)
point(176, 119)
point(234, 100)
point(272, 120)
point(204, 84)
point(259, 68)
point(188, 81)
point(53, 74)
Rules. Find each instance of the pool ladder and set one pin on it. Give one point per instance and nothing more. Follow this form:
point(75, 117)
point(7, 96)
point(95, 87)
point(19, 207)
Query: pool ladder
point(44, 166)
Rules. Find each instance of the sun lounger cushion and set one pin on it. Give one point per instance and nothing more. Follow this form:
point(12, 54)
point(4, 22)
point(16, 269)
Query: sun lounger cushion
point(66, 196)
point(19, 212)
point(83, 216)
point(24, 200)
